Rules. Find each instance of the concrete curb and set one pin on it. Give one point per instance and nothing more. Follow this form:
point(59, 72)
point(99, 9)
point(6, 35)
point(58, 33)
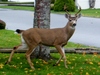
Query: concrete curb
point(69, 50)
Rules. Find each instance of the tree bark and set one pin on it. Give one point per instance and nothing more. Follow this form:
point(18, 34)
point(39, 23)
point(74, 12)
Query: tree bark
point(92, 3)
point(42, 20)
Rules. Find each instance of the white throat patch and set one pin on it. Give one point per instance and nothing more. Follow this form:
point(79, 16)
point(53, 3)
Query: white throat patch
point(72, 27)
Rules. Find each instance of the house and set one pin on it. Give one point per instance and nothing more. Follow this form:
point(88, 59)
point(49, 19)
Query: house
point(85, 4)
point(22, 0)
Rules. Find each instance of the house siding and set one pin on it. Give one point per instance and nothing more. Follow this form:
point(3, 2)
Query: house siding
point(85, 4)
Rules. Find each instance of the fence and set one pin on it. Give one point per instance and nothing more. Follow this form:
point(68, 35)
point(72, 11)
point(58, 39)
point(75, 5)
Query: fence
point(17, 3)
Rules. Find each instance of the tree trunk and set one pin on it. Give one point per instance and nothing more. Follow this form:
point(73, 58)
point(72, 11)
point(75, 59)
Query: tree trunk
point(92, 3)
point(42, 20)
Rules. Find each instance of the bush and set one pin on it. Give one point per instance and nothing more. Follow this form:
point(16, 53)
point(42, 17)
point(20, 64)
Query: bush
point(52, 1)
point(52, 6)
point(70, 5)
point(59, 5)
point(4, 0)
point(2, 24)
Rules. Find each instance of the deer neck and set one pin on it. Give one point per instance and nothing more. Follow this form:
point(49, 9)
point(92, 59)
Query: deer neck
point(69, 30)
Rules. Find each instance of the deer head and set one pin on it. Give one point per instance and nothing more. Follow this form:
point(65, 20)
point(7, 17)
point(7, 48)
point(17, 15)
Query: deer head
point(72, 19)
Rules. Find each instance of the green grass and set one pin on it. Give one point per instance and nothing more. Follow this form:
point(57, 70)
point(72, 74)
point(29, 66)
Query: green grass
point(78, 64)
point(86, 13)
point(91, 13)
point(18, 8)
point(8, 39)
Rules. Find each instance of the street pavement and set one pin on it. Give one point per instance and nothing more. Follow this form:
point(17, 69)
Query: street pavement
point(87, 29)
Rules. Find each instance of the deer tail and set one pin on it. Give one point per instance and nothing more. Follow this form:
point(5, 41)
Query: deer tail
point(19, 31)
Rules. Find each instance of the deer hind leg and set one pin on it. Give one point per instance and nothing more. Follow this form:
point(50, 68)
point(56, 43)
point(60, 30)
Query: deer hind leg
point(62, 53)
point(28, 53)
point(23, 46)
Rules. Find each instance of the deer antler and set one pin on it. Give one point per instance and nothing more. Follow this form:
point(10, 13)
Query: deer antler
point(66, 10)
point(78, 10)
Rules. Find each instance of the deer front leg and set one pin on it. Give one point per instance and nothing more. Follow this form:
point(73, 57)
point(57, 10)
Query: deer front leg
point(58, 61)
point(62, 53)
point(64, 57)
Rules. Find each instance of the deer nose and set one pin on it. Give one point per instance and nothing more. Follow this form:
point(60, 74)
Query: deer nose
point(74, 24)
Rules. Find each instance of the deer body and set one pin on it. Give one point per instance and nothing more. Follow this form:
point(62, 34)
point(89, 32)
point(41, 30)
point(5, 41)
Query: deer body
point(48, 37)
point(57, 37)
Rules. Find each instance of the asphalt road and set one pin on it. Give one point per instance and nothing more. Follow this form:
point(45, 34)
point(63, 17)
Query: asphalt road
point(87, 29)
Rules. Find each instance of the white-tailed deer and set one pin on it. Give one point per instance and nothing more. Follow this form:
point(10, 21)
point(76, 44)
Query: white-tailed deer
point(57, 37)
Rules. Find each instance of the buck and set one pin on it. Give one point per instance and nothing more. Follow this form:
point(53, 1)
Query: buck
point(57, 37)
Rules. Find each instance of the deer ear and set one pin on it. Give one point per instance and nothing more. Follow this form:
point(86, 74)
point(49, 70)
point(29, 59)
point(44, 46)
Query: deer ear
point(79, 15)
point(66, 15)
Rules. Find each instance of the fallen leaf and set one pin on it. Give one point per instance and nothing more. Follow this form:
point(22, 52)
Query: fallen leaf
point(45, 62)
point(3, 73)
point(58, 64)
point(87, 73)
point(91, 63)
point(98, 63)
point(70, 73)
point(31, 70)
point(21, 63)
point(1, 66)
point(49, 74)
point(39, 69)
point(26, 71)
point(37, 62)
point(69, 62)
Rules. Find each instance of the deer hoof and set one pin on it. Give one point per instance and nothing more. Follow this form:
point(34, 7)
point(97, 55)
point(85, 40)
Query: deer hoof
point(54, 64)
point(32, 68)
point(6, 62)
point(66, 67)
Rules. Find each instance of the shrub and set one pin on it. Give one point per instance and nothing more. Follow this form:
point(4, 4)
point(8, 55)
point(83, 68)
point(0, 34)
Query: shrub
point(70, 5)
point(4, 0)
point(2, 24)
point(52, 1)
point(59, 5)
point(52, 6)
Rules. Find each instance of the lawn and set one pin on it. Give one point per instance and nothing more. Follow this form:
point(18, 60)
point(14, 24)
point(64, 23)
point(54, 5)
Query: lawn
point(8, 39)
point(18, 8)
point(78, 64)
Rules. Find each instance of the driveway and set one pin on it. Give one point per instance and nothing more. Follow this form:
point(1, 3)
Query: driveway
point(87, 29)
